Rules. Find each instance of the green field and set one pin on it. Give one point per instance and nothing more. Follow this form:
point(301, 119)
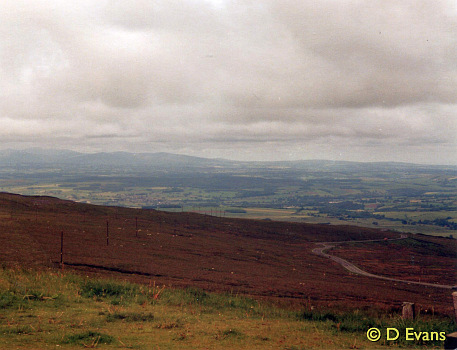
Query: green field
point(407, 198)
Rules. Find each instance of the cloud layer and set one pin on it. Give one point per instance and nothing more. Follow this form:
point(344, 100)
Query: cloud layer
point(292, 79)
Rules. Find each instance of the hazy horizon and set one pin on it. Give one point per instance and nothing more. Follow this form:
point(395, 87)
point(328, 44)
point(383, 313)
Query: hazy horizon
point(41, 149)
point(370, 81)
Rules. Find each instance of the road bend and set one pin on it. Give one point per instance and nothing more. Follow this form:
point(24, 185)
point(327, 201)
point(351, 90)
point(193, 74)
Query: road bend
point(354, 269)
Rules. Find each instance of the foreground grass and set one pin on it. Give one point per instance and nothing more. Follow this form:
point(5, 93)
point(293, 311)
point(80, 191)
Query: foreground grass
point(50, 309)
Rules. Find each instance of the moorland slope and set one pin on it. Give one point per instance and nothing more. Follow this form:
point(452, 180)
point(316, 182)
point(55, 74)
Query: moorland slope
point(264, 259)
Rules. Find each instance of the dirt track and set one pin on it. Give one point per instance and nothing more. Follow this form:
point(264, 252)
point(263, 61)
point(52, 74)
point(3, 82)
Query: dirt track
point(354, 269)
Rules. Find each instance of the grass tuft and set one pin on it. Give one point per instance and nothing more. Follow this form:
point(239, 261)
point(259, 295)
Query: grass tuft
point(130, 317)
point(104, 289)
point(88, 339)
point(318, 316)
point(18, 329)
point(8, 299)
point(228, 334)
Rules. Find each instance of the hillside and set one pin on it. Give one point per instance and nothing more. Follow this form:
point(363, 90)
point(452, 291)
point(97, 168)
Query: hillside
point(264, 259)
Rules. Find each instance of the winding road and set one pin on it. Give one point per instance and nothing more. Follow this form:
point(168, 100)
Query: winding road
point(354, 269)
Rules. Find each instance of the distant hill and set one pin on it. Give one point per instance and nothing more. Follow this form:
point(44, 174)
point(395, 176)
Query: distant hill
point(162, 160)
point(36, 157)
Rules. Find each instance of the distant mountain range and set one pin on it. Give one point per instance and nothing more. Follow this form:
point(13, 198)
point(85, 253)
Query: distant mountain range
point(37, 157)
point(45, 157)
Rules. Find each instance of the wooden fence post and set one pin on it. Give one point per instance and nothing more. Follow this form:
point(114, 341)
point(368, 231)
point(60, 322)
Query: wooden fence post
point(408, 312)
point(107, 232)
point(61, 249)
point(136, 226)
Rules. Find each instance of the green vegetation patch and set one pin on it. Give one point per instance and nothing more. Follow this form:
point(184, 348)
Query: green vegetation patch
point(229, 334)
point(8, 299)
point(88, 339)
point(21, 287)
point(130, 317)
point(236, 211)
point(215, 301)
point(103, 289)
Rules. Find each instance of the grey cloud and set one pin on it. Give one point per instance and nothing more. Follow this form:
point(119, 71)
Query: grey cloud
point(373, 78)
point(377, 52)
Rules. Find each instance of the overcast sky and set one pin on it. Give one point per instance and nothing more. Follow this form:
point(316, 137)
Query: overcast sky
point(276, 79)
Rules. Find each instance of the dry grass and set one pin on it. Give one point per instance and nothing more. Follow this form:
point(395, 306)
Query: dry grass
point(131, 316)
